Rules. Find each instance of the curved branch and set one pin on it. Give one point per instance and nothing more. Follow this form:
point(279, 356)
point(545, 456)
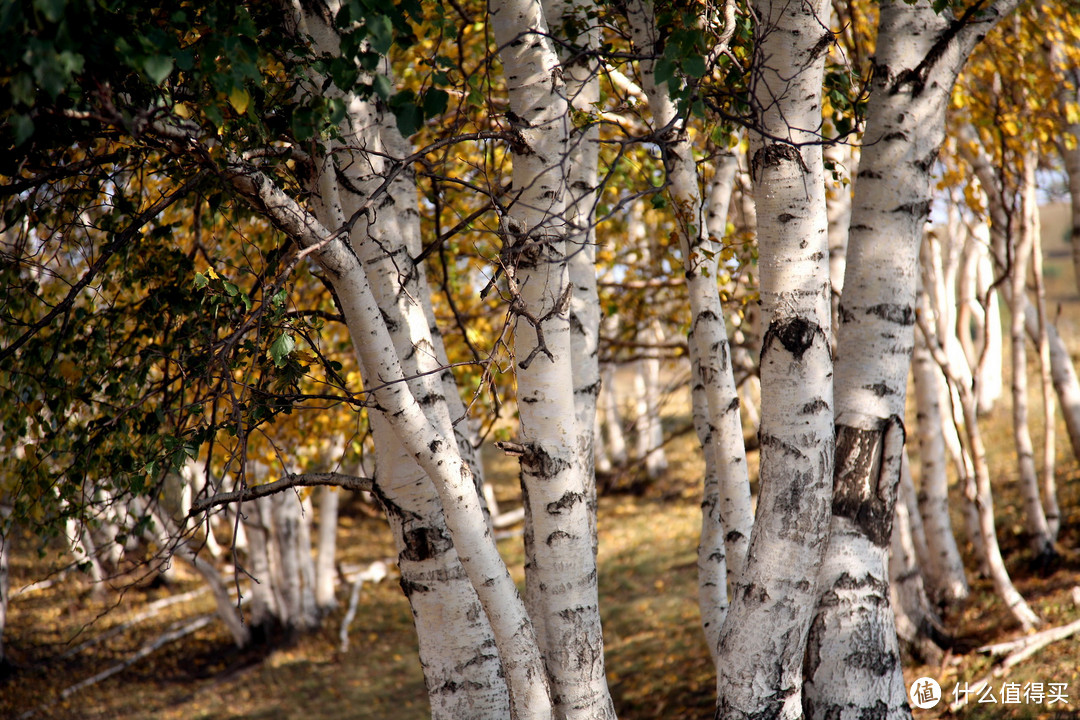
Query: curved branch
point(349, 482)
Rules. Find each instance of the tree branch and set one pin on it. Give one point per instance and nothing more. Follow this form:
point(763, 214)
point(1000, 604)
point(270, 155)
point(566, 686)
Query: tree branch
point(349, 482)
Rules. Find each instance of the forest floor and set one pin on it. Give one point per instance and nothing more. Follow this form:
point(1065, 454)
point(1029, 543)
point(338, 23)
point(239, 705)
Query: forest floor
point(657, 663)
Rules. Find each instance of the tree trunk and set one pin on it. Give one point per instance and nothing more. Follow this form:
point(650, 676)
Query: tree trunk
point(570, 21)
point(1021, 243)
point(944, 571)
point(761, 644)
point(905, 128)
point(726, 509)
point(560, 565)
point(1046, 385)
point(325, 570)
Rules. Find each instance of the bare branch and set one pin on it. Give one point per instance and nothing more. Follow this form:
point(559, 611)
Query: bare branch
point(349, 482)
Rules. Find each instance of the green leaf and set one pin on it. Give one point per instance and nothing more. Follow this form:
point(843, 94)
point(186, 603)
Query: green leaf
point(23, 128)
point(157, 68)
point(435, 102)
point(694, 66)
point(53, 10)
point(281, 348)
point(381, 32)
point(382, 86)
point(664, 71)
point(200, 280)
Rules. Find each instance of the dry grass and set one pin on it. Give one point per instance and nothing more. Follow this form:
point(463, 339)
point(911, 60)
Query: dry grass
point(658, 666)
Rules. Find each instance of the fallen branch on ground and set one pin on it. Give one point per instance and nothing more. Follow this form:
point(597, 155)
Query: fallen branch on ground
point(375, 572)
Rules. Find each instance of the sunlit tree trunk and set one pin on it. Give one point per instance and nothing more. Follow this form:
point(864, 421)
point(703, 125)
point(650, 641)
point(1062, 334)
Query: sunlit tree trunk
point(560, 565)
point(1046, 385)
point(571, 21)
point(726, 511)
point(1021, 243)
point(762, 642)
point(904, 131)
point(979, 491)
point(1061, 366)
point(917, 626)
point(1069, 147)
point(325, 572)
point(944, 570)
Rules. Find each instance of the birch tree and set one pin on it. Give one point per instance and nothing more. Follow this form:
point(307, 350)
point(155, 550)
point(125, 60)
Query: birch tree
point(762, 673)
point(918, 57)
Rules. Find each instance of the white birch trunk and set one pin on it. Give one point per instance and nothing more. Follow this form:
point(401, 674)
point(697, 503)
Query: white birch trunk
point(992, 387)
point(461, 670)
point(325, 570)
point(560, 569)
point(762, 642)
point(980, 494)
point(1046, 385)
point(916, 625)
point(572, 22)
point(726, 510)
point(613, 423)
point(1021, 244)
point(1061, 365)
point(944, 570)
point(905, 128)
point(1069, 147)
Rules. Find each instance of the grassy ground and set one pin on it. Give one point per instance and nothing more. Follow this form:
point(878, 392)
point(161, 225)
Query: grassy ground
point(658, 666)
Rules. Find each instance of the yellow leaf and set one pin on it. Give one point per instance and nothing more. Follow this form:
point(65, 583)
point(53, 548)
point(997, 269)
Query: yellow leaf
point(213, 275)
point(239, 99)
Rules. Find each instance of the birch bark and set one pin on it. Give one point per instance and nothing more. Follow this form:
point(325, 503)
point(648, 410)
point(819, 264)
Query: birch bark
point(560, 565)
point(726, 508)
point(853, 661)
point(762, 642)
point(1021, 244)
point(573, 22)
point(945, 568)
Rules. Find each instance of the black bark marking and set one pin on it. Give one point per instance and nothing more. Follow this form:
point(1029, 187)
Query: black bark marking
point(796, 334)
point(894, 313)
point(538, 461)
point(775, 155)
point(424, 543)
point(880, 389)
point(556, 536)
point(925, 163)
point(566, 502)
point(785, 218)
point(589, 390)
point(812, 656)
point(918, 209)
point(816, 406)
point(409, 587)
point(896, 135)
point(860, 492)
